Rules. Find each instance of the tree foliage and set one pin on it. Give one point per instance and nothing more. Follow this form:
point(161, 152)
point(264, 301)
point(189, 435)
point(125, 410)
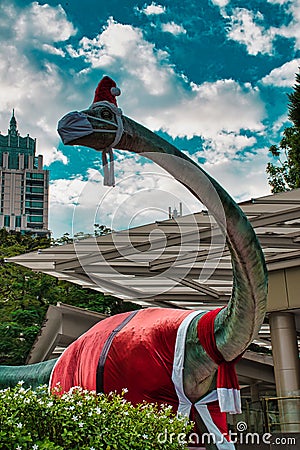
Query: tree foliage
point(284, 173)
point(294, 103)
point(25, 296)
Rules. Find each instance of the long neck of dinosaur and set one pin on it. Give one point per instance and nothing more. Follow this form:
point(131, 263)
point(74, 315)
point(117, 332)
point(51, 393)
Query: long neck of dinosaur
point(238, 323)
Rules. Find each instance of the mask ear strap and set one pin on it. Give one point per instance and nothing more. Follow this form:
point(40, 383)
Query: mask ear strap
point(108, 167)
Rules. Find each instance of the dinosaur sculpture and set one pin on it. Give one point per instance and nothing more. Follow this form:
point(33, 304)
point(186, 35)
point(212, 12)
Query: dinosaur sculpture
point(160, 354)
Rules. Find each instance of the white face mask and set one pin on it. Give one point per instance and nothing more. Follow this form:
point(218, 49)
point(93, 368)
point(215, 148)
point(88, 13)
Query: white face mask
point(75, 125)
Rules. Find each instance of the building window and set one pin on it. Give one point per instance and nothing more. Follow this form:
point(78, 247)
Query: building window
point(35, 219)
point(35, 176)
point(37, 190)
point(34, 204)
point(18, 222)
point(6, 221)
point(36, 212)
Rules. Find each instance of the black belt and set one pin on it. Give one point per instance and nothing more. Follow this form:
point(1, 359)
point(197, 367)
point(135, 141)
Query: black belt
point(105, 350)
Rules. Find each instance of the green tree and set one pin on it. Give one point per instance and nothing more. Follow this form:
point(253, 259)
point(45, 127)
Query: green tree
point(101, 230)
point(294, 103)
point(25, 296)
point(284, 173)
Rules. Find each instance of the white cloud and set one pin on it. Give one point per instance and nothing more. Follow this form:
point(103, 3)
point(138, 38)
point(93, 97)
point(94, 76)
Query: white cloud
point(66, 192)
point(27, 91)
point(224, 147)
point(53, 50)
point(283, 76)
point(220, 3)
point(173, 28)
point(248, 28)
point(153, 93)
point(244, 179)
point(245, 30)
point(292, 30)
point(63, 196)
point(281, 123)
point(279, 2)
point(211, 108)
point(124, 46)
point(37, 92)
point(153, 9)
point(143, 194)
point(150, 81)
point(44, 23)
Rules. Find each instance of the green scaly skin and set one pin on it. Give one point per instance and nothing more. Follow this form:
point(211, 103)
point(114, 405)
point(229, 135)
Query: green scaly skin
point(32, 375)
point(237, 324)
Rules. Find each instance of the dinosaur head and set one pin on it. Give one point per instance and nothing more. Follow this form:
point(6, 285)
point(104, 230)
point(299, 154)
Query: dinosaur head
point(103, 117)
point(100, 125)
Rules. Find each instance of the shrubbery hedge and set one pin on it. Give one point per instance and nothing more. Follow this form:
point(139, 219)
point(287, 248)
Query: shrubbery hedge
point(83, 420)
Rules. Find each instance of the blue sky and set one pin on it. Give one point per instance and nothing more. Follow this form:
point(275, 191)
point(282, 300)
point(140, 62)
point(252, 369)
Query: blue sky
point(212, 76)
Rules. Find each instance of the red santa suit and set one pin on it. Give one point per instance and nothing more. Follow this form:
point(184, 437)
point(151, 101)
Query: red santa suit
point(146, 357)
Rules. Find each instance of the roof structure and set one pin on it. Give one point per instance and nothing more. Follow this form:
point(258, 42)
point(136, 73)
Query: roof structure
point(182, 262)
point(62, 325)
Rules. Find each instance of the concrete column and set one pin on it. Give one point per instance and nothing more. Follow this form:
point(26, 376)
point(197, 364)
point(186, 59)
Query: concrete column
point(286, 368)
point(21, 161)
point(5, 160)
point(30, 162)
point(254, 391)
point(255, 423)
point(40, 162)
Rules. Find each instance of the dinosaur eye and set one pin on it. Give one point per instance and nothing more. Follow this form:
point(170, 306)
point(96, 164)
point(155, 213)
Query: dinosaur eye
point(106, 114)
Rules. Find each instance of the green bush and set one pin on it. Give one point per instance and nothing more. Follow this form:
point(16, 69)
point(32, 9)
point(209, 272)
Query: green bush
point(83, 420)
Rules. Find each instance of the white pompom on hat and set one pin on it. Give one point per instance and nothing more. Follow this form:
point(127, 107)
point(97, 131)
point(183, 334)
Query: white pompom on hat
point(115, 91)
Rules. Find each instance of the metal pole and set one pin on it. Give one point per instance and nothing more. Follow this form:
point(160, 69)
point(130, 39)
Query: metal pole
point(286, 368)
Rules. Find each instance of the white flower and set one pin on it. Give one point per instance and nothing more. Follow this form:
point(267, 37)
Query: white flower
point(21, 382)
point(125, 390)
point(98, 410)
point(49, 404)
point(75, 418)
point(18, 448)
point(145, 436)
point(19, 425)
point(80, 424)
point(35, 447)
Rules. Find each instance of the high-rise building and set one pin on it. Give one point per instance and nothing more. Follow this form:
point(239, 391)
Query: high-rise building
point(24, 184)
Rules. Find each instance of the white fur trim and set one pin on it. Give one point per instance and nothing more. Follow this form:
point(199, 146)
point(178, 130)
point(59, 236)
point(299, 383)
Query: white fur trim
point(229, 400)
point(220, 440)
point(184, 407)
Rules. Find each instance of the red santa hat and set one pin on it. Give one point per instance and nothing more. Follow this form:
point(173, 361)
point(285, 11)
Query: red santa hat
point(107, 90)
